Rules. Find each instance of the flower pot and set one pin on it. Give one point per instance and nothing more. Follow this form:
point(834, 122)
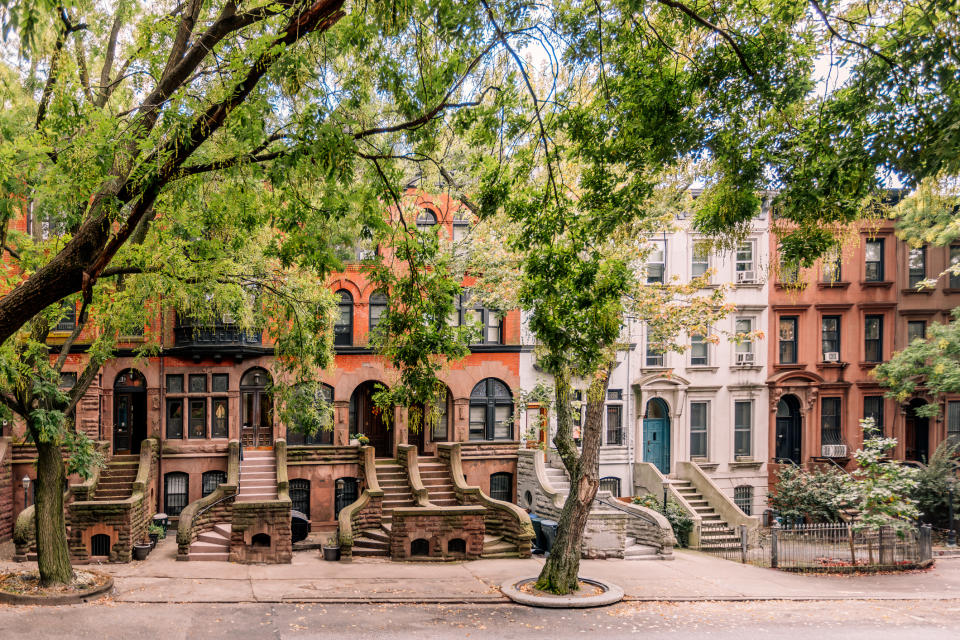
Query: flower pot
point(141, 551)
point(331, 554)
point(154, 537)
point(354, 442)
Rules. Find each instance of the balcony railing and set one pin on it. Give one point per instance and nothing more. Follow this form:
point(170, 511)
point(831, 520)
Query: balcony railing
point(220, 338)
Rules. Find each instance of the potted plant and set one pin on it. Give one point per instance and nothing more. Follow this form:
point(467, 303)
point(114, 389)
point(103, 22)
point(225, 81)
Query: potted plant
point(359, 439)
point(141, 550)
point(155, 531)
point(331, 550)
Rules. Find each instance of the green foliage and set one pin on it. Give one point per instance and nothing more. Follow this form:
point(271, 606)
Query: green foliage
point(880, 488)
point(808, 496)
point(676, 515)
point(934, 481)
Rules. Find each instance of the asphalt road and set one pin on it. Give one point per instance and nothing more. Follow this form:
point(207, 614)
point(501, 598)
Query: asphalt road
point(849, 620)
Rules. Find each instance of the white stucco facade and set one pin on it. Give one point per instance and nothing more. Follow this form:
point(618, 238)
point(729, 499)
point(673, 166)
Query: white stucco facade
point(719, 389)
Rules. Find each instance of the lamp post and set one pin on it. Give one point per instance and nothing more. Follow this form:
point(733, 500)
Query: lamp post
point(26, 491)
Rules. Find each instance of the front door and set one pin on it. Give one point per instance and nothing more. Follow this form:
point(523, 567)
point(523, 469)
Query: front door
point(656, 436)
point(788, 430)
point(122, 422)
point(917, 434)
point(370, 421)
point(257, 423)
point(419, 438)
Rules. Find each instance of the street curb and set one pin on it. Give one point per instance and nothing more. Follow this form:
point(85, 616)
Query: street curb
point(73, 598)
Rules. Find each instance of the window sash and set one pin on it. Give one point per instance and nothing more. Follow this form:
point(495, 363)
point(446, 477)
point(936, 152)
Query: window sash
point(744, 257)
point(175, 383)
point(742, 326)
point(916, 266)
point(698, 429)
point(788, 340)
point(873, 408)
point(220, 418)
point(831, 267)
point(873, 338)
point(210, 480)
point(953, 421)
point(916, 329)
point(221, 382)
point(174, 419)
point(700, 262)
point(743, 427)
point(830, 334)
point(699, 351)
point(954, 259)
point(197, 421)
point(501, 486)
point(874, 261)
point(657, 262)
point(176, 491)
point(743, 498)
point(830, 422)
point(615, 425)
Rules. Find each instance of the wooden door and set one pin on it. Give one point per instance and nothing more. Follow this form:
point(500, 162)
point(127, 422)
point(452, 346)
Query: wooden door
point(371, 423)
point(257, 425)
point(122, 422)
point(656, 447)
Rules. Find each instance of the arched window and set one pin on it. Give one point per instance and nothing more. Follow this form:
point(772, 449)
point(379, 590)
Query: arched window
point(491, 411)
point(346, 492)
point(501, 486)
point(322, 433)
point(426, 219)
point(211, 480)
point(610, 484)
point(343, 328)
point(300, 495)
point(176, 490)
point(378, 305)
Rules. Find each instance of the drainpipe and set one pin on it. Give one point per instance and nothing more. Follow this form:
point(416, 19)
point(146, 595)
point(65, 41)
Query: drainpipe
point(630, 417)
point(163, 410)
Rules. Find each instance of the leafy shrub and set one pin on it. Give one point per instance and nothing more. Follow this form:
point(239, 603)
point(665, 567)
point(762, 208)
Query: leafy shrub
point(932, 491)
point(676, 515)
point(808, 496)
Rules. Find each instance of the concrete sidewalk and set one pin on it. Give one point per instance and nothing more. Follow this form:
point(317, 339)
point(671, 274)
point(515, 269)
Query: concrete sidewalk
point(692, 576)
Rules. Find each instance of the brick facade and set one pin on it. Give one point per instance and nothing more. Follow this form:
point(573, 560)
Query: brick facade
point(438, 526)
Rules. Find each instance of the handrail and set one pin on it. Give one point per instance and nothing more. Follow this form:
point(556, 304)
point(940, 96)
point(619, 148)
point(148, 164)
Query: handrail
point(556, 498)
point(352, 512)
point(410, 461)
point(513, 513)
point(724, 506)
point(644, 513)
point(283, 483)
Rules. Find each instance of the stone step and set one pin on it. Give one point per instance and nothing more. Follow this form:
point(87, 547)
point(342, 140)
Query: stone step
point(223, 528)
point(365, 542)
point(636, 550)
point(222, 556)
point(444, 502)
point(394, 504)
point(214, 537)
point(379, 536)
point(209, 547)
point(370, 553)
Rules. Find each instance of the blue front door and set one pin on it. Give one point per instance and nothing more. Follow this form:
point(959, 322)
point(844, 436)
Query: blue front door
point(657, 444)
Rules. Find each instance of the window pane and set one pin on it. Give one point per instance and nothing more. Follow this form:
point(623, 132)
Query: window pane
point(917, 265)
point(656, 262)
point(953, 421)
point(831, 335)
point(743, 427)
point(198, 383)
point(916, 330)
point(300, 495)
point(831, 266)
point(439, 433)
point(698, 429)
point(615, 424)
point(198, 418)
point(478, 414)
point(701, 258)
point(501, 486)
point(174, 384)
point(221, 382)
point(743, 498)
point(220, 418)
point(175, 492)
point(699, 351)
point(503, 428)
point(211, 480)
point(830, 421)
point(788, 340)
point(493, 328)
point(873, 408)
point(174, 419)
point(954, 261)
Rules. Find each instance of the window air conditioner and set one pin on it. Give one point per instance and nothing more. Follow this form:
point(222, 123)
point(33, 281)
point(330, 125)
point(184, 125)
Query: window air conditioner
point(744, 277)
point(831, 356)
point(834, 450)
point(744, 358)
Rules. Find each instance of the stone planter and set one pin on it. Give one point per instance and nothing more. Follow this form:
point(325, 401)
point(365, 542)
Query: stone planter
point(609, 594)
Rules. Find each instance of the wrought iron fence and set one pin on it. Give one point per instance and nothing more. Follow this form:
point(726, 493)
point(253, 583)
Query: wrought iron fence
point(821, 547)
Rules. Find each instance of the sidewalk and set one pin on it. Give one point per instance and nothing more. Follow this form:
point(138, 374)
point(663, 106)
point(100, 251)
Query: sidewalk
point(692, 576)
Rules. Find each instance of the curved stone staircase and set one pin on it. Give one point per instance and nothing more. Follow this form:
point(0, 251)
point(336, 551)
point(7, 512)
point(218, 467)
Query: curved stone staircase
point(714, 532)
point(396, 493)
point(116, 480)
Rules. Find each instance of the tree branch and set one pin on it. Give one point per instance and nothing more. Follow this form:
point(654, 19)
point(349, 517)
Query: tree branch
point(104, 90)
point(77, 328)
point(826, 21)
point(706, 23)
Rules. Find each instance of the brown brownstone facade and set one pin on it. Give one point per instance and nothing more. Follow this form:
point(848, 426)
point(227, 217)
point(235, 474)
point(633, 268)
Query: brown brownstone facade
point(444, 533)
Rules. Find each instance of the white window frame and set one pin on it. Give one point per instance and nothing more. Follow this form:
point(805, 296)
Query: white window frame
point(751, 428)
point(647, 355)
point(745, 346)
point(706, 346)
point(706, 428)
point(745, 266)
point(662, 244)
point(693, 257)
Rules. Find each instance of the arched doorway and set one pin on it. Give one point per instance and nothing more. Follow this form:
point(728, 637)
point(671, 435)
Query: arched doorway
point(256, 409)
point(788, 430)
point(129, 411)
point(917, 436)
point(368, 419)
point(656, 435)
point(434, 422)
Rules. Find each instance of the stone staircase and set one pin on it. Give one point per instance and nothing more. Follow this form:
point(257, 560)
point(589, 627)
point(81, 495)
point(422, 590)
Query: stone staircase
point(436, 480)
point(258, 476)
point(631, 550)
point(714, 532)
point(212, 545)
point(396, 493)
point(116, 480)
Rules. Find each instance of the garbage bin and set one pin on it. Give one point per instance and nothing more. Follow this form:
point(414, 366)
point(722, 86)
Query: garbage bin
point(538, 542)
point(299, 526)
point(549, 528)
point(162, 520)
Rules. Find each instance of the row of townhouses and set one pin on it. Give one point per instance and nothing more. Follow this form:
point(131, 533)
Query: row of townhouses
point(193, 432)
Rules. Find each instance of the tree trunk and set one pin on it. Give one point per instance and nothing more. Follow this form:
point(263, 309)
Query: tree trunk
point(53, 555)
point(561, 570)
